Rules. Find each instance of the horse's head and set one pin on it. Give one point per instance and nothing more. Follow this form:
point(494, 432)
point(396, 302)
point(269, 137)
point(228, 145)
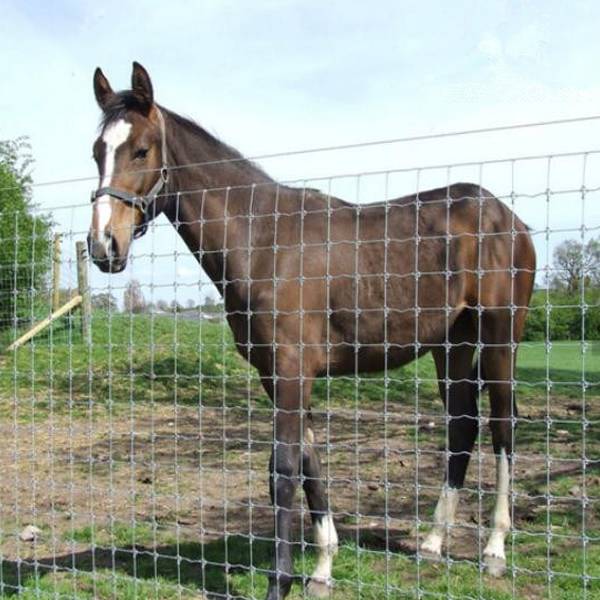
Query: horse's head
point(131, 156)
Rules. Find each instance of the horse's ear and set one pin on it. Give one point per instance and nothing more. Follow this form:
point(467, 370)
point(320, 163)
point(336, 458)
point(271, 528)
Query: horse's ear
point(102, 88)
point(141, 84)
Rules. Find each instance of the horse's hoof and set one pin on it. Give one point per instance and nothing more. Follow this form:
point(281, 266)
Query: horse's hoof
point(430, 556)
point(279, 590)
point(430, 553)
point(431, 548)
point(495, 565)
point(318, 589)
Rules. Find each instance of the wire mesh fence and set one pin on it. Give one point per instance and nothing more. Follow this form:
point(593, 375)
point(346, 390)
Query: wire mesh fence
point(137, 463)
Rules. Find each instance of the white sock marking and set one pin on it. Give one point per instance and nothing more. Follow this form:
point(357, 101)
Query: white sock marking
point(443, 516)
point(326, 539)
point(501, 518)
point(114, 135)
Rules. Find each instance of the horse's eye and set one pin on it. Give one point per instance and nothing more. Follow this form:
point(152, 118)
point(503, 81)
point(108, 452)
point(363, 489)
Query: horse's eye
point(140, 153)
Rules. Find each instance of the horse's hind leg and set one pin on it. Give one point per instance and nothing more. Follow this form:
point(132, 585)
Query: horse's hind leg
point(284, 474)
point(458, 388)
point(325, 535)
point(498, 359)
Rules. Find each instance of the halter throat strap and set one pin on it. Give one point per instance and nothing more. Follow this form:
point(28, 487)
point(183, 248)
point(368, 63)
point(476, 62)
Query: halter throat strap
point(142, 203)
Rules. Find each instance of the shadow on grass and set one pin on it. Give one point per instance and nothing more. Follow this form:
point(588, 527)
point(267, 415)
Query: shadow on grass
point(194, 566)
point(229, 567)
point(214, 567)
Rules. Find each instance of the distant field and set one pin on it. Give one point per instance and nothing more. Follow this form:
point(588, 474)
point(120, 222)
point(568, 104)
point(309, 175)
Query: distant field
point(142, 354)
point(153, 444)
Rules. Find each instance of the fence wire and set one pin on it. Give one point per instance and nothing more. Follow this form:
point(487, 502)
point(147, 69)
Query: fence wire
point(137, 465)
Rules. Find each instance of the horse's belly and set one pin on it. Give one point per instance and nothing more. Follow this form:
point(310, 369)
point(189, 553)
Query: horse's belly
point(376, 340)
point(346, 360)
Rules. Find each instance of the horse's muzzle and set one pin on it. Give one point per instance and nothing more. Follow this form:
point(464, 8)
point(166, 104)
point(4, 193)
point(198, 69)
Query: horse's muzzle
point(105, 254)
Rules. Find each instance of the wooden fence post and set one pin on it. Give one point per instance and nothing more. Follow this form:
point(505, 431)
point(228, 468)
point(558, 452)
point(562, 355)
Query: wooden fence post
point(56, 273)
point(84, 292)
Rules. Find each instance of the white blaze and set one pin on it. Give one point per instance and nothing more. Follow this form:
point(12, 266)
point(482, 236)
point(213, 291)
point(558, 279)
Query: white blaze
point(114, 135)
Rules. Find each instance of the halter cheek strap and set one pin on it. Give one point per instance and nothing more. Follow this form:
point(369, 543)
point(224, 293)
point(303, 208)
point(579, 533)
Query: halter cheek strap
point(142, 203)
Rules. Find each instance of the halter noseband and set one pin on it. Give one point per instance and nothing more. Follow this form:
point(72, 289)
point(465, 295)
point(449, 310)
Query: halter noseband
point(142, 203)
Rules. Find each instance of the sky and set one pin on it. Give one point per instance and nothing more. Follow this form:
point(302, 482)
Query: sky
point(271, 76)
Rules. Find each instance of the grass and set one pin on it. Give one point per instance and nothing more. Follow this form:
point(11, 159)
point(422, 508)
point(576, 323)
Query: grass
point(160, 361)
point(140, 356)
point(565, 366)
point(235, 567)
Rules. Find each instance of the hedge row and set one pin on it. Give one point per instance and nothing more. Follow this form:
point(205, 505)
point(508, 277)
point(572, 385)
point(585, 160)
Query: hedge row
point(557, 315)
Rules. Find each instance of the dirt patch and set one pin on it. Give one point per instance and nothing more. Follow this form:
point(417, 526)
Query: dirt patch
point(203, 474)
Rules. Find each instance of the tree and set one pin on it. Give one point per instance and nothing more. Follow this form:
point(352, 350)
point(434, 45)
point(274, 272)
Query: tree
point(25, 249)
point(104, 301)
point(592, 251)
point(133, 297)
point(162, 305)
point(16, 156)
point(575, 263)
point(211, 306)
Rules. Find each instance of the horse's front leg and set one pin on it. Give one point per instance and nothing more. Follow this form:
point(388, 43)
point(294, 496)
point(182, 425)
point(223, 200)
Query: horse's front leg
point(284, 477)
point(325, 535)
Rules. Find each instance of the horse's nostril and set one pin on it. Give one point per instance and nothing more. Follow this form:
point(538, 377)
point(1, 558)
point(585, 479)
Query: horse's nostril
point(111, 246)
point(98, 251)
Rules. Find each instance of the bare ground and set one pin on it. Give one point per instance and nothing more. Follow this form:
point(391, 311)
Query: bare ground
point(191, 475)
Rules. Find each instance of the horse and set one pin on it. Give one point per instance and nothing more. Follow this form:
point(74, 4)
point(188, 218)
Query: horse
point(315, 286)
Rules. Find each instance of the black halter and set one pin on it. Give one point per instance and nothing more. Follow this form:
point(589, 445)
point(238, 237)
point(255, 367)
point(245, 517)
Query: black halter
point(142, 203)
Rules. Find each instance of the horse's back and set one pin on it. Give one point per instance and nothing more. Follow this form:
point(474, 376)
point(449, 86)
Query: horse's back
point(390, 277)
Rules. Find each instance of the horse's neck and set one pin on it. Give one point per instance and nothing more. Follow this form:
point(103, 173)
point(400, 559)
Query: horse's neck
point(210, 204)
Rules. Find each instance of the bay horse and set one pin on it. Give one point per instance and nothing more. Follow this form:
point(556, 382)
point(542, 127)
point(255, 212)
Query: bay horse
point(315, 286)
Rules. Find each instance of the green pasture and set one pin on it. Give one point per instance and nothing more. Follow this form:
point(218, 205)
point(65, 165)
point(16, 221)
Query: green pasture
point(163, 358)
